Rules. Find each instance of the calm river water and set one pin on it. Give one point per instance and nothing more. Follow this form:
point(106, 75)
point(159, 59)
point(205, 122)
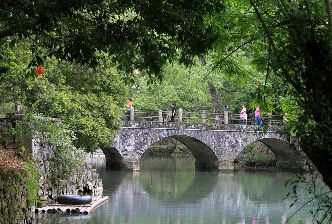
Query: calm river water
point(170, 191)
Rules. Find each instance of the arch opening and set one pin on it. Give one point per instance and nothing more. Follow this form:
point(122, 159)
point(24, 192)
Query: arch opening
point(270, 153)
point(256, 155)
point(287, 156)
point(114, 160)
point(205, 159)
point(167, 147)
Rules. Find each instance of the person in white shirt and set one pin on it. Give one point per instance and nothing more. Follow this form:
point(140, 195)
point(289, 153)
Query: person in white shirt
point(243, 115)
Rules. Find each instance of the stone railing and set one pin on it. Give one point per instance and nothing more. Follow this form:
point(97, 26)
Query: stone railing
point(192, 118)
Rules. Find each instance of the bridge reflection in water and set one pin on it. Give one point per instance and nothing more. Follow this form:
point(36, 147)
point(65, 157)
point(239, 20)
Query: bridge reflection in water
point(171, 195)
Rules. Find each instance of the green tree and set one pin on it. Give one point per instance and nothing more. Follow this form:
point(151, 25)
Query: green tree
point(180, 85)
point(137, 34)
point(190, 87)
point(289, 42)
point(89, 101)
point(301, 54)
point(127, 34)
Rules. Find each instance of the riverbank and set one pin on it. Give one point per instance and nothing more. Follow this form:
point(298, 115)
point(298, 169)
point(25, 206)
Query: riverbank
point(36, 173)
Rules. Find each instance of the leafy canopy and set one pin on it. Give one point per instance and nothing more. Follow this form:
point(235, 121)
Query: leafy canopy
point(137, 34)
point(88, 100)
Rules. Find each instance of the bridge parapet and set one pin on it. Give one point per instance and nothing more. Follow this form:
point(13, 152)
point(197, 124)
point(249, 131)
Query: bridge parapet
point(187, 117)
point(199, 126)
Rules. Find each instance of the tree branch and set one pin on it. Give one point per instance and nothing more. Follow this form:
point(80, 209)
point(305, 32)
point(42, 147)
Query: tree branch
point(309, 18)
point(305, 204)
point(233, 51)
point(229, 54)
point(265, 28)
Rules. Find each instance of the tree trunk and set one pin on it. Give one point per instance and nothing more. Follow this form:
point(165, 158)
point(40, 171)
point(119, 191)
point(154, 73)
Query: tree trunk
point(212, 89)
point(214, 97)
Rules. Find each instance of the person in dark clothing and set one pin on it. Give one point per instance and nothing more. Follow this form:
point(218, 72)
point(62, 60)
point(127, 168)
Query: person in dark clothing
point(173, 109)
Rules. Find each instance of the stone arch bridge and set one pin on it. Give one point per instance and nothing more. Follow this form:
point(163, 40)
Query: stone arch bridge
point(212, 147)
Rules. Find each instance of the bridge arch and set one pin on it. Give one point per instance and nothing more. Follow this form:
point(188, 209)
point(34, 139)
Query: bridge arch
point(212, 148)
point(114, 160)
point(203, 154)
point(286, 156)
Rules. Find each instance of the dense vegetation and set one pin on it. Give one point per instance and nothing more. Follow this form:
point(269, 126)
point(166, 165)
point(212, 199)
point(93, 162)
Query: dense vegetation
point(287, 45)
point(291, 40)
point(91, 49)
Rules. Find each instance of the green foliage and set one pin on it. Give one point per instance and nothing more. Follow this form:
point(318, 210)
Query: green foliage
point(305, 63)
point(14, 62)
point(127, 35)
point(137, 34)
point(180, 85)
point(92, 118)
point(31, 184)
point(256, 160)
point(55, 136)
point(253, 157)
point(189, 88)
point(290, 43)
point(88, 100)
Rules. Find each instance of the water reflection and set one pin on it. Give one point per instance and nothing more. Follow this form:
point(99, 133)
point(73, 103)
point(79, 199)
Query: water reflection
point(183, 195)
point(175, 180)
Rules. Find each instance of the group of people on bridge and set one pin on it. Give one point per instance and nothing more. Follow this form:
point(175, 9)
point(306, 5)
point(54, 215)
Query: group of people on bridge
point(258, 121)
point(258, 118)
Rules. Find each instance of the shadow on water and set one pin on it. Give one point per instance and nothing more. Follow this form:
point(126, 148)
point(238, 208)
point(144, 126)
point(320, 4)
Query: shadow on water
point(203, 184)
point(175, 180)
point(63, 219)
point(112, 179)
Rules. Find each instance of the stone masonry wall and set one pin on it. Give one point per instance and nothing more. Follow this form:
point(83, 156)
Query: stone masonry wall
point(84, 178)
point(13, 191)
point(14, 207)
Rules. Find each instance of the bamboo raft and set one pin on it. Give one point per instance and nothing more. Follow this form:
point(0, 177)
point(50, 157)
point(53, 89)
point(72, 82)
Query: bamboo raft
point(72, 209)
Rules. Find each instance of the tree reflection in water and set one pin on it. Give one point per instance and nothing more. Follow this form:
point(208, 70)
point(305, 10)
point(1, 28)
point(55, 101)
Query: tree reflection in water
point(162, 194)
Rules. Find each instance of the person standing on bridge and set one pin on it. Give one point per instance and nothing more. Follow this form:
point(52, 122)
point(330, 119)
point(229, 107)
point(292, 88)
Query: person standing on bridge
point(258, 120)
point(129, 108)
point(243, 115)
point(173, 112)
